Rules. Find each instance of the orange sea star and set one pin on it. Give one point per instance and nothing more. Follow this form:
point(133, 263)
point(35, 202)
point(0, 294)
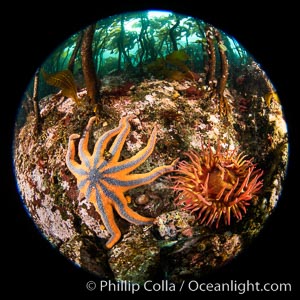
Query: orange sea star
point(103, 179)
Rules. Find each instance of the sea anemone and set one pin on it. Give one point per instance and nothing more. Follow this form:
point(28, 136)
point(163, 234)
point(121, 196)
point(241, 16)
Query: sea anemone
point(216, 183)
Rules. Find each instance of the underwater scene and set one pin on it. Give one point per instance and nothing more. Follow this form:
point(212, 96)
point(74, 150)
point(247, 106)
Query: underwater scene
point(150, 145)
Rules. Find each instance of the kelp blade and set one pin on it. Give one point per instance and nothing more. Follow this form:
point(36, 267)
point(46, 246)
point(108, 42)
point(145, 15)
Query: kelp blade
point(63, 80)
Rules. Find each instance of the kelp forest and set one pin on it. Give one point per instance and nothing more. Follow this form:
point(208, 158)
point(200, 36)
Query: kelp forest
point(137, 46)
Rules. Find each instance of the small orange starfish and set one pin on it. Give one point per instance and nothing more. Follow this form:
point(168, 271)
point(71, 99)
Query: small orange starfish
point(103, 179)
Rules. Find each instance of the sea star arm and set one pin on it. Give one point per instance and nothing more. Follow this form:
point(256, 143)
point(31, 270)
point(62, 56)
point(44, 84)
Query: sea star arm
point(105, 210)
point(115, 197)
point(134, 180)
point(126, 166)
point(118, 143)
point(102, 142)
point(83, 151)
point(73, 166)
point(122, 208)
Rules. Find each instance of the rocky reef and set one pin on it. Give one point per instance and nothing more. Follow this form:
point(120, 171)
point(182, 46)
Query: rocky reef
point(176, 245)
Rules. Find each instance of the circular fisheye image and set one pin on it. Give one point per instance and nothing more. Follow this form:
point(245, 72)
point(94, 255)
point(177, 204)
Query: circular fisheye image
point(150, 145)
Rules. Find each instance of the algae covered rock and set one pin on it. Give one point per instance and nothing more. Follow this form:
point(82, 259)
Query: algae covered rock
point(136, 258)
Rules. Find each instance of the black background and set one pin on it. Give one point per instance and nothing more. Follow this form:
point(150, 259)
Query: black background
point(30, 33)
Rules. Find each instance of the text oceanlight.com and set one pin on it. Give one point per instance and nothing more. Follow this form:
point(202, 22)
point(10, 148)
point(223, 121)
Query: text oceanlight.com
point(193, 286)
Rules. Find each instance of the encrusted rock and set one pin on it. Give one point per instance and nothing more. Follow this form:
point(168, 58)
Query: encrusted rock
point(170, 224)
point(88, 253)
point(136, 257)
point(199, 255)
point(142, 199)
point(180, 247)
